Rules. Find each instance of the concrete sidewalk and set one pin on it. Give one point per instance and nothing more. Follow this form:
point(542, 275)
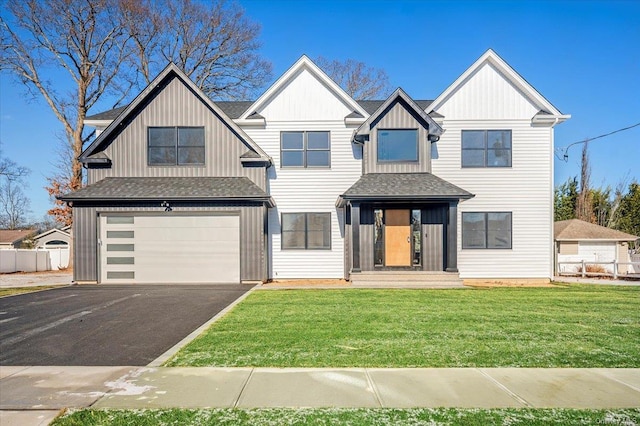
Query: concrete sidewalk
point(38, 390)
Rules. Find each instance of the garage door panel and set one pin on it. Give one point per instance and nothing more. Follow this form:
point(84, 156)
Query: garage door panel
point(180, 249)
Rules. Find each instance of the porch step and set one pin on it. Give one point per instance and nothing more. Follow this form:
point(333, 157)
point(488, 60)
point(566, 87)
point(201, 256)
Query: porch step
point(406, 279)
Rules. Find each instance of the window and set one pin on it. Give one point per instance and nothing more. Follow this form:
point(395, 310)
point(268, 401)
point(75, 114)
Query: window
point(176, 146)
point(306, 231)
point(398, 145)
point(305, 149)
point(486, 148)
point(486, 230)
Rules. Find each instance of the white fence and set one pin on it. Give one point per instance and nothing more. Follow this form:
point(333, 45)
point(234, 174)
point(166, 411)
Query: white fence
point(580, 265)
point(19, 260)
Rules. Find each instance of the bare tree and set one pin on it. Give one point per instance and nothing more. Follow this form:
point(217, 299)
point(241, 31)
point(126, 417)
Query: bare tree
point(214, 43)
point(356, 78)
point(83, 38)
point(95, 42)
point(584, 203)
point(14, 205)
point(10, 170)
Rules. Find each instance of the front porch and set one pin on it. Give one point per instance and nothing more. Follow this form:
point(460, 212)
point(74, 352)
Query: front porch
point(402, 228)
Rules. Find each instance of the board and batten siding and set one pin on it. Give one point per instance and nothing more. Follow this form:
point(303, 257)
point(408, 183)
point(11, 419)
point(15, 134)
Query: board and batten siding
point(177, 105)
point(252, 243)
point(397, 118)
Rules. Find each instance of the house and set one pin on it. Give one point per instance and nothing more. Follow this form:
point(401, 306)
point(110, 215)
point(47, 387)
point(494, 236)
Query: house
point(306, 182)
point(578, 241)
point(53, 238)
point(14, 238)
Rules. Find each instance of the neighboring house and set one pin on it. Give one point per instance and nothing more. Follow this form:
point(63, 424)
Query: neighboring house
point(578, 241)
point(306, 182)
point(53, 238)
point(14, 238)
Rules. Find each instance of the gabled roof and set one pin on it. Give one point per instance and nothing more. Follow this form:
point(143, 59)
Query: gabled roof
point(150, 90)
point(170, 189)
point(399, 95)
point(303, 63)
point(579, 230)
point(52, 231)
point(491, 57)
point(403, 186)
point(14, 236)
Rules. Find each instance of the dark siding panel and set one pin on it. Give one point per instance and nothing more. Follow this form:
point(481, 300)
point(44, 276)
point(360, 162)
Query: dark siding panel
point(434, 220)
point(85, 243)
point(176, 105)
point(397, 118)
point(433, 248)
point(366, 238)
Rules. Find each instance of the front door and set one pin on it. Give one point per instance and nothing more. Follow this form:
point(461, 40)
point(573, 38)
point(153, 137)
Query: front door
point(397, 237)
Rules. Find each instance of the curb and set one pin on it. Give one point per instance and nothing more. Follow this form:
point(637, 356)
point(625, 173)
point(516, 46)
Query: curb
point(198, 331)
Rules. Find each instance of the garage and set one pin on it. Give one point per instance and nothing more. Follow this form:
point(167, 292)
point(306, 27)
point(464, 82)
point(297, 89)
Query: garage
point(169, 248)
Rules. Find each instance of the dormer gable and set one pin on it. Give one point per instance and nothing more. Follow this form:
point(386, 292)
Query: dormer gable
point(397, 137)
point(171, 100)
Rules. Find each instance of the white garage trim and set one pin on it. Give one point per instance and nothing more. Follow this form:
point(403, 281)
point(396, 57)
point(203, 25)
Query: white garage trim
point(169, 248)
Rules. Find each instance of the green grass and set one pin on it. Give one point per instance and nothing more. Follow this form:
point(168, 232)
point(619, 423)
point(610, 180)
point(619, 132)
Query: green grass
point(569, 326)
point(441, 416)
point(12, 291)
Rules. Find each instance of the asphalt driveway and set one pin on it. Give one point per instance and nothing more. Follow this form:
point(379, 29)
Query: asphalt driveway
point(105, 324)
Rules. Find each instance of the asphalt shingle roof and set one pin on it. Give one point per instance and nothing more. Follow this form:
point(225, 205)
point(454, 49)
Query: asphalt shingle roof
point(234, 109)
point(11, 236)
point(169, 188)
point(575, 229)
point(404, 185)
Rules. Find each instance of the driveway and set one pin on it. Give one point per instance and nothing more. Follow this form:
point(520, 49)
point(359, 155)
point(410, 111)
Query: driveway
point(105, 324)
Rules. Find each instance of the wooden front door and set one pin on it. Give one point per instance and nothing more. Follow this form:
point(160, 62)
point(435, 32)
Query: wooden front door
point(397, 237)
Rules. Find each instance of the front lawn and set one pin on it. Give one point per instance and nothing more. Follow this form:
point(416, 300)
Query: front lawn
point(563, 326)
point(421, 416)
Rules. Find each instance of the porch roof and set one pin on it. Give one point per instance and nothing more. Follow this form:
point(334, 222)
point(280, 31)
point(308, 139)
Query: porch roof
point(402, 187)
point(171, 189)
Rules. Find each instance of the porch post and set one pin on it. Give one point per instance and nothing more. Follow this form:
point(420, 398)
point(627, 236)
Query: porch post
point(452, 238)
point(355, 237)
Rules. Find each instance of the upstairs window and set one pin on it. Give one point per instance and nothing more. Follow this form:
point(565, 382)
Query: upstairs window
point(486, 230)
point(305, 149)
point(175, 146)
point(397, 145)
point(486, 148)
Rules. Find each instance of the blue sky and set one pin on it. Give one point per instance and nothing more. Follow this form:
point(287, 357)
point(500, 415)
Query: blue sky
point(584, 56)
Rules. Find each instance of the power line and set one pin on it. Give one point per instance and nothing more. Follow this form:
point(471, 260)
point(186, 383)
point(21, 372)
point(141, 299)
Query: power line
point(565, 150)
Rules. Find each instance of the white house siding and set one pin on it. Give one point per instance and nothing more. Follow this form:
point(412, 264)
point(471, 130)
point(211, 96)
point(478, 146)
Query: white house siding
point(307, 105)
point(487, 101)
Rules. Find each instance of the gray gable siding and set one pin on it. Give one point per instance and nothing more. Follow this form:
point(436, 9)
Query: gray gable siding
point(398, 117)
point(177, 105)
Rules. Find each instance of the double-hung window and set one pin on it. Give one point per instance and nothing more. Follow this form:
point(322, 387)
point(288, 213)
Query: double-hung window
point(175, 146)
point(486, 148)
point(306, 231)
point(486, 230)
point(305, 149)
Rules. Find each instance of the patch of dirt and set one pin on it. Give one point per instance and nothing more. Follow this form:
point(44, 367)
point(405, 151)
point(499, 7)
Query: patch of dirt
point(307, 283)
